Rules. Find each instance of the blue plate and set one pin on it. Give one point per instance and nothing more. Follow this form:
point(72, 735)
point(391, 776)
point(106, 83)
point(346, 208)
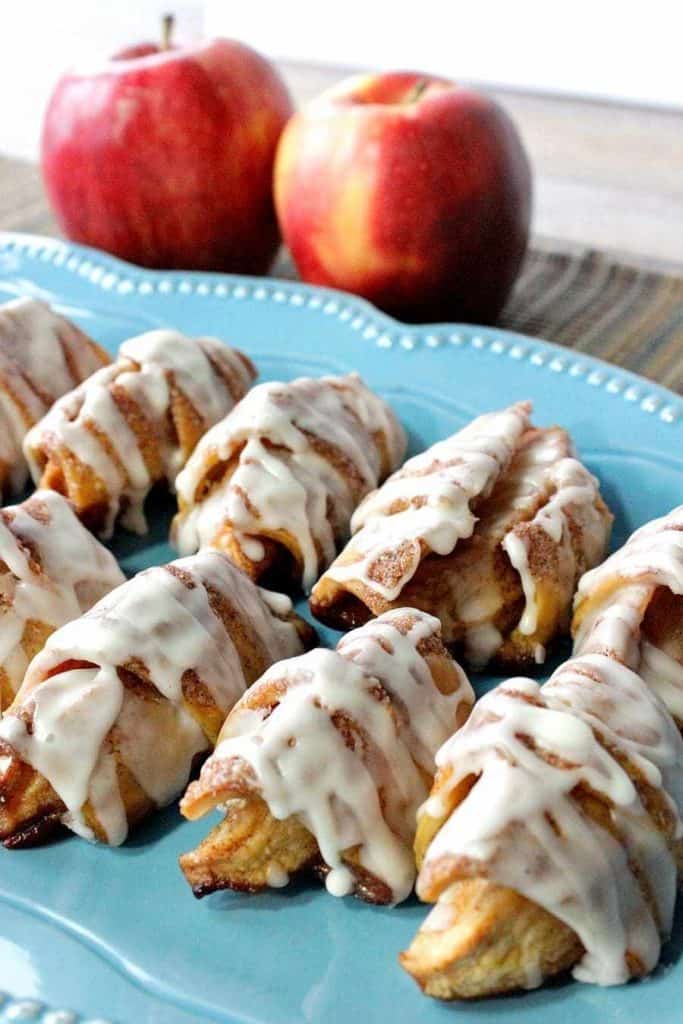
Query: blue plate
point(93, 933)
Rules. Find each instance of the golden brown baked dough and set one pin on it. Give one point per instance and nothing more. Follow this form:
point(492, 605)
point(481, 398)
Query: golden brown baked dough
point(490, 940)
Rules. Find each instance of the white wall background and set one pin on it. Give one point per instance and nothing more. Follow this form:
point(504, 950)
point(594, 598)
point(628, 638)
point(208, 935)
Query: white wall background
point(616, 49)
point(619, 49)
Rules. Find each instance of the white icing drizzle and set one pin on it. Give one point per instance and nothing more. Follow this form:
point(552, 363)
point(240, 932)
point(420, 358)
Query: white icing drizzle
point(482, 642)
point(522, 822)
point(473, 593)
point(210, 375)
point(574, 499)
point(160, 622)
point(654, 553)
point(54, 570)
point(426, 505)
point(282, 483)
point(42, 356)
point(385, 653)
point(664, 675)
point(618, 593)
point(303, 767)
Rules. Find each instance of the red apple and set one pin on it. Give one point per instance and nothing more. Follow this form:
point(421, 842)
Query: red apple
point(408, 190)
point(165, 156)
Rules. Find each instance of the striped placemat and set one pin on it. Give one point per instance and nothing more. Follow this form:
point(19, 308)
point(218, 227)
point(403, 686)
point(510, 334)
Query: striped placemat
point(589, 301)
point(629, 314)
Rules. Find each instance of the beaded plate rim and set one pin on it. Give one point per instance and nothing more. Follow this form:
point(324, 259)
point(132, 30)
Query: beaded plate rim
point(33, 1011)
point(110, 274)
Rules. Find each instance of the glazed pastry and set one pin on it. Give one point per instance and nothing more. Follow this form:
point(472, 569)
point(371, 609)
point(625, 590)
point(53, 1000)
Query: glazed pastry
point(134, 424)
point(42, 356)
point(551, 837)
point(275, 483)
point(324, 762)
point(51, 571)
point(489, 530)
point(120, 703)
point(631, 607)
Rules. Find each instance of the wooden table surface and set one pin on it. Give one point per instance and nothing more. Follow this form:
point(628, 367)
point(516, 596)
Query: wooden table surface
point(608, 194)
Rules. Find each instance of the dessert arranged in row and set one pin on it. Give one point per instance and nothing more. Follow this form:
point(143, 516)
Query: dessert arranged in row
point(552, 834)
point(544, 822)
point(301, 484)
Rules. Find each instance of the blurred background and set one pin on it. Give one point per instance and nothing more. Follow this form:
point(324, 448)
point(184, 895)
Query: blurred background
point(596, 88)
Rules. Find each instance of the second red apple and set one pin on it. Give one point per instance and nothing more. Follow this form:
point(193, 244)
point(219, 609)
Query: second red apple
point(408, 190)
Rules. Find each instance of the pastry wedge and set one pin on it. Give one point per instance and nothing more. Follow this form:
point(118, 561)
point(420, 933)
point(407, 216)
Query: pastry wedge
point(120, 703)
point(42, 356)
point(631, 607)
point(324, 761)
point(552, 836)
point(274, 484)
point(134, 424)
point(51, 571)
point(489, 530)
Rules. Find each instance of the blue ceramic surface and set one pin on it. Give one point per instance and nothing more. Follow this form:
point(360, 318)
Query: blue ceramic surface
point(89, 933)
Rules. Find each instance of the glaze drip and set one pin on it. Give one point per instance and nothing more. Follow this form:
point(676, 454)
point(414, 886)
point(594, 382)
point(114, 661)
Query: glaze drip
point(572, 509)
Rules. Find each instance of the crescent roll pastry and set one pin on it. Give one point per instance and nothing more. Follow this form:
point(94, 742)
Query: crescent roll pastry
point(119, 703)
point(275, 483)
point(42, 356)
point(551, 837)
point(631, 607)
point(51, 571)
point(489, 530)
point(133, 424)
point(324, 762)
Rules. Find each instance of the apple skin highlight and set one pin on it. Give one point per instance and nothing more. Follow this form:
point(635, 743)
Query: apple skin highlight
point(165, 159)
point(421, 205)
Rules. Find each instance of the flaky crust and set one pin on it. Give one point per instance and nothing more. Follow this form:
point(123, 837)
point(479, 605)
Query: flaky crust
point(488, 940)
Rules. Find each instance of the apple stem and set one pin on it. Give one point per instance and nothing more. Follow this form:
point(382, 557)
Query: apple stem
point(167, 24)
point(416, 91)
